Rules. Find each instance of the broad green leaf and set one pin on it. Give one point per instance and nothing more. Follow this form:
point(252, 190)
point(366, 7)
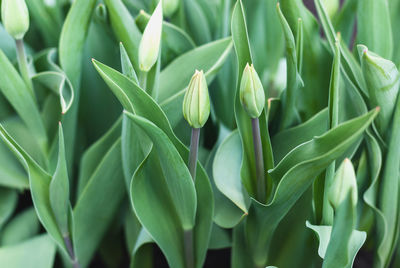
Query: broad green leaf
point(8, 204)
point(295, 173)
point(241, 255)
point(324, 232)
point(220, 238)
point(344, 241)
point(176, 76)
point(350, 66)
point(133, 98)
point(47, 24)
point(59, 188)
point(374, 25)
point(344, 21)
point(23, 226)
point(39, 181)
point(125, 29)
point(18, 94)
point(72, 40)
point(38, 252)
point(142, 252)
point(178, 182)
point(12, 174)
point(290, 114)
point(93, 156)
point(283, 142)
point(196, 21)
point(97, 204)
point(389, 191)
point(226, 213)
point(226, 171)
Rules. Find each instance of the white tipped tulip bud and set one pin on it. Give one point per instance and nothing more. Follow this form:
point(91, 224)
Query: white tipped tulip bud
point(196, 103)
point(15, 17)
point(343, 183)
point(170, 7)
point(252, 95)
point(149, 47)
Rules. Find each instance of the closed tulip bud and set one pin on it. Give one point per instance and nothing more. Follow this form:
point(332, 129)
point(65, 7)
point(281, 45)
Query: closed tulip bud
point(252, 94)
point(149, 46)
point(383, 80)
point(170, 7)
point(15, 17)
point(196, 103)
point(343, 183)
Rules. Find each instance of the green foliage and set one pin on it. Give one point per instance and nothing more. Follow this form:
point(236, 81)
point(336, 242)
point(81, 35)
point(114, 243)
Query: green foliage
point(98, 167)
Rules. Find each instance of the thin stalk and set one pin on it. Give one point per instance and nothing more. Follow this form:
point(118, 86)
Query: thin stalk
point(259, 160)
point(194, 148)
point(70, 249)
point(23, 64)
point(188, 243)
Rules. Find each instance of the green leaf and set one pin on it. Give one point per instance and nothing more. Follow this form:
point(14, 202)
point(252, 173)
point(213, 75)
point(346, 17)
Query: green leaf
point(94, 155)
point(209, 58)
point(133, 98)
point(72, 40)
point(389, 191)
point(374, 25)
point(125, 29)
point(98, 203)
point(126, 64)
point(226, 171)
point(19, 96)
point(39, 181)
point(295, 174)
point(12, 174)
point(38, 252)
point(142, 252)
point(177, 178)
point(286, 140)
point(8, 204)
point(290, 114)
point(59, 188)
point(196, 21)
point(23, 226)
point(324, 232)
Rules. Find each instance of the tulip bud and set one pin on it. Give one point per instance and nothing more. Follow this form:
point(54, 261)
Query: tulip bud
point(383, 80)
point(170, 7)
point(196, 104)
point(15, 17)
point(252, 94)
point(343, 182)
point(149, 46)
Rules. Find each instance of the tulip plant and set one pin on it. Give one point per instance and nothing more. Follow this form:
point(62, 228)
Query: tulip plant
point(199, 133)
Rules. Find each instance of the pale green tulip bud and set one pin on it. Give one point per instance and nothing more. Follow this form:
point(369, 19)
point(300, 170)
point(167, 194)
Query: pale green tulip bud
point(15, 17)
point(170, 7)
point(383, 80)
point(149, 47)
point(344, 182)
point(252, 95)
point(196, 103)
point(331, 7)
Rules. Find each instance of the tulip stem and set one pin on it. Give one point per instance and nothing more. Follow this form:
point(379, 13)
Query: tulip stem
point(23, 64)
point(194, 148)
point(74, 260)
point(255, 123)
point(188, 243)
